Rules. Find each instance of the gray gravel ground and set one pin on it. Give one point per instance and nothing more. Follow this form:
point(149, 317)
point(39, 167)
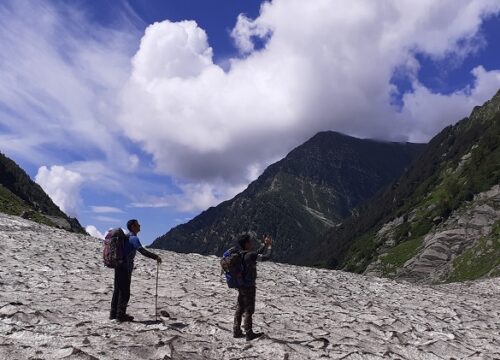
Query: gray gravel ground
point(55, 294)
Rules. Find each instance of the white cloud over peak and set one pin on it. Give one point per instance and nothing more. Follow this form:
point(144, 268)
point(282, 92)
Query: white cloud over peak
point(200, 196)
point(194, 197)
point(325, 65)
point(63, 187)
point(92, 230)
point(422, 103)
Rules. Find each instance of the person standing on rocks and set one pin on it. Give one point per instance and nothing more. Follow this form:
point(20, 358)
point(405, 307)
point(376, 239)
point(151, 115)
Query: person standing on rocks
point(246, 294)
point(123, 273)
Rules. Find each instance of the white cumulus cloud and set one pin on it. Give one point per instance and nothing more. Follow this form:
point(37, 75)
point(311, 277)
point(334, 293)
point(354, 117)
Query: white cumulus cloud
point(92, 230)
point(326, 65)
point(193, 197)
point(63, 187)
point(436, 111)
point(244, 32)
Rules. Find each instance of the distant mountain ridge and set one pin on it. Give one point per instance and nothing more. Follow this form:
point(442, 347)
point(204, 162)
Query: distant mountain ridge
point(299, 198)
point(19, 195)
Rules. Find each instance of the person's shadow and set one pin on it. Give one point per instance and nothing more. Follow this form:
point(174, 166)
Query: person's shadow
point(163, 313)
point(149, 322)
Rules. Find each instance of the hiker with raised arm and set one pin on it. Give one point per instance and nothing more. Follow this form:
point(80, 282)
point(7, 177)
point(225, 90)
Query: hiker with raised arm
point(123, 271)
point(240, 265)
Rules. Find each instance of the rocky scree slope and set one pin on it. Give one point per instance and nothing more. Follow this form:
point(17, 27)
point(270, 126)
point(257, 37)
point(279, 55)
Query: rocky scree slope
point(298, 198)
point(464, 246)
point(19, 195)
point(441, 220)
point(55, 300)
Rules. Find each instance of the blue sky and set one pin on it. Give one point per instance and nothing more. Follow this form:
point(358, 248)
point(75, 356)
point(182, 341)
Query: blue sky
point(157, 110)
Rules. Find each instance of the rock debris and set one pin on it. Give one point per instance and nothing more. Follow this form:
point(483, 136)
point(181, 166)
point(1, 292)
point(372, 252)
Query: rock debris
point(55, 294)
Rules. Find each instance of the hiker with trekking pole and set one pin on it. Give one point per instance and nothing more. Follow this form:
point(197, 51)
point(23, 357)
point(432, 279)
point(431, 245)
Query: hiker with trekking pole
point(119, 253)
point(240, 266)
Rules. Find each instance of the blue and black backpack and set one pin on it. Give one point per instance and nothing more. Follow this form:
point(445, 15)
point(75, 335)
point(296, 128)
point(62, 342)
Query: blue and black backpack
point(233, 267)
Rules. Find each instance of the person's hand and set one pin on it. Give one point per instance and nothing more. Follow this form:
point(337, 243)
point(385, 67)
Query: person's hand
point(158, 260)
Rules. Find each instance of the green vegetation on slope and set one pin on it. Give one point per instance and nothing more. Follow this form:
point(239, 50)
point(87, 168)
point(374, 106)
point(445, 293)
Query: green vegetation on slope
point(13, 205)
point(479, 260)
point(407, 239)
point(362, 253)
point(10, 203)
point(20, 184)
point(458, 163)
point(400, 254)
point(20, 195)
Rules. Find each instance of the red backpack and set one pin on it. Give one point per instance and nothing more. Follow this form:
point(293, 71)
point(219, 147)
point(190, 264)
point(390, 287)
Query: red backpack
point(113, 253)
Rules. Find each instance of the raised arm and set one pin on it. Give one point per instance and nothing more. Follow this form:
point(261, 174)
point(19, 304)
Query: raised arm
point(266, 255)
point(265, 251)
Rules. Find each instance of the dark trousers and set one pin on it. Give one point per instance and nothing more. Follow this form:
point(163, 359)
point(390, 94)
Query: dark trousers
point(245, 306)
point(121, 293)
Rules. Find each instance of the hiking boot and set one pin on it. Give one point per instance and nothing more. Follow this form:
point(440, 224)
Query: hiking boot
point(252, 335)
point(112, 316)
point(124, 318)
point(238, 334)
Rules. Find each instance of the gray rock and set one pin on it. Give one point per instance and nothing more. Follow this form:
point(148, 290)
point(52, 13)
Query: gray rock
point(451, 238)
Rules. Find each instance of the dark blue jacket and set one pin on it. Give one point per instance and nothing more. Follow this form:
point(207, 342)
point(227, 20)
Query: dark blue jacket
point(250, 259)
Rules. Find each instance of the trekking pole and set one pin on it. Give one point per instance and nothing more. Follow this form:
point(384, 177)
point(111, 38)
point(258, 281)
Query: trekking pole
point(156, 293)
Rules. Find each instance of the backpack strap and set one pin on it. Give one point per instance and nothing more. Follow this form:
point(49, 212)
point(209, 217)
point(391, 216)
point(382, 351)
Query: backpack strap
point(242, 254)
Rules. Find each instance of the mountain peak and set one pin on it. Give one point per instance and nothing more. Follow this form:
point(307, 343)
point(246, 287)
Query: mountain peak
point(297, 198)
point(487, 111)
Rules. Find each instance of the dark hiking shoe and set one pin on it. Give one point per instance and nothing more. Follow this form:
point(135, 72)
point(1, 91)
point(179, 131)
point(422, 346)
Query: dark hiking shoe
point(112, 316)
point(238, 334)
point(125, 318)
point(252, 335)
